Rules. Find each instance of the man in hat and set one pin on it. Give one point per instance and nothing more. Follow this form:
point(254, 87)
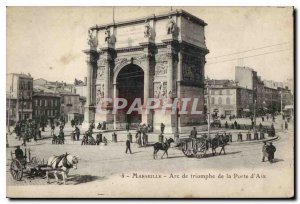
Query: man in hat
point(193, 133)
point(271, 149)
point(19, 153)
point(128, 146)
point(264, 151)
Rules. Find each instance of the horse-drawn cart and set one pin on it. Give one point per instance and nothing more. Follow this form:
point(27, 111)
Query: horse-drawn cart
point(198, 147)
point(194, 147)
point(26, 165)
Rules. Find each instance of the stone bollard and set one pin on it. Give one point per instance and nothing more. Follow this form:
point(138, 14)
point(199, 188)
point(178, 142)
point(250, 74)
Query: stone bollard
point(114, 138)
point(240, 137)
point(262, 136)
point(176, 137)
point(161, 138)
point(230, 137)
point(255, 136)
point(248, 137)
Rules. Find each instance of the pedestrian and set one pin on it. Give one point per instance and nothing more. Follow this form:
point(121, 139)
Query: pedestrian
point(286, 125)
point(99, 126)
point(235, 124)
point(40, 132)
point(264, 151)
point(162, 127)
point(226, 124)
point(34, 132)
point(105, 141)
point(128, 146)
point(222, 143)
point(262, 118)
point(271, 149)
point(273, 118)
point(272, 131)
point(260, 127)
point(139, 139)
point(77, 131)
point(230, 118)
point(127, 127)
point(52, 130)
point(193, 133)
point(98, 138)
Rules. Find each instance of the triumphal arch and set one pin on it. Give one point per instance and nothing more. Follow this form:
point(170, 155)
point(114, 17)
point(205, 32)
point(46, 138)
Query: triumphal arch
point(156, 57)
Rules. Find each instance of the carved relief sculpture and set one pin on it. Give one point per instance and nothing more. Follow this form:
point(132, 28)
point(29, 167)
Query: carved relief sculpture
point(99, 94)
point(160, 90)
point(100, 72)
point(161, 68)
point(192, 68)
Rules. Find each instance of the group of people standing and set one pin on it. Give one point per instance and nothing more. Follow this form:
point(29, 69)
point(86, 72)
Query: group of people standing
point(268, 151)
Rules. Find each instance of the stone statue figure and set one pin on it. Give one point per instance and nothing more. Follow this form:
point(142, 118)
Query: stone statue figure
point(92, 41)
point(171, 26)
point(147, 31)
point(107, 35)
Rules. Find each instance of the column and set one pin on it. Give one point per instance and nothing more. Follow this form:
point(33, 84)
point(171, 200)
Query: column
point(106, 79)
point(89, 111)
point(115, 115)
point(88, 84)
point(170, 75)
point(146, 79)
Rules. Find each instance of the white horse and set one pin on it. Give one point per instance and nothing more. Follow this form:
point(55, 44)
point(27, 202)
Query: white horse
point(61, 164)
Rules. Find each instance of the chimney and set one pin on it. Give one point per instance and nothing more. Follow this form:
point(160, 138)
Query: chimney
point(85, 81)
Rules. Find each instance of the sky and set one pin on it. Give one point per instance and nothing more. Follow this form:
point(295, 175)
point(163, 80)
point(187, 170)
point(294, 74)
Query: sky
point(47, 42)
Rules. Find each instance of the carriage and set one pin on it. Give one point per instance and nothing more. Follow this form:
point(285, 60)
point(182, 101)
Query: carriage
point(27, 165)
point(198, 147)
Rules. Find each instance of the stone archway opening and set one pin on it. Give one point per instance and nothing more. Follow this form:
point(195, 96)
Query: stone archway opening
point(130, 83)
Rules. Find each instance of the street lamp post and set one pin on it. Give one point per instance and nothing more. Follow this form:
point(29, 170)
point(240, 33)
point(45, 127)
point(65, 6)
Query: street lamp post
point(254, 126)
point(281, 111)
point(8, 118)
point(208, 112)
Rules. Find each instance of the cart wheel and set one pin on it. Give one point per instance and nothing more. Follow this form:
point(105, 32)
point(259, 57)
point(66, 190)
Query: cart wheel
point(201, 153)
point(201, 150)
point(16, 170)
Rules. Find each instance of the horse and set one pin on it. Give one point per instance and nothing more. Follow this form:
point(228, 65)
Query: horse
point(61, 164)
point(162, 146)
point(219, 141)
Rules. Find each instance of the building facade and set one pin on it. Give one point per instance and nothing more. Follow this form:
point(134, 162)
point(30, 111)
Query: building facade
point(69, 105)
point(165, 60)
point(19, 88)
point(46, 105)
point(229, 99)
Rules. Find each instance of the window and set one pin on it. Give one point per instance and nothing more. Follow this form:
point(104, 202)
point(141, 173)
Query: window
point(46, 102)
point(227, 91)
point(228, 100)
point(212, 100)
point(219, 100)
point(212, 92)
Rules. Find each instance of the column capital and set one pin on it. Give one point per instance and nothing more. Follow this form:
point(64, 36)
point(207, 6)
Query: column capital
point(91, 55)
